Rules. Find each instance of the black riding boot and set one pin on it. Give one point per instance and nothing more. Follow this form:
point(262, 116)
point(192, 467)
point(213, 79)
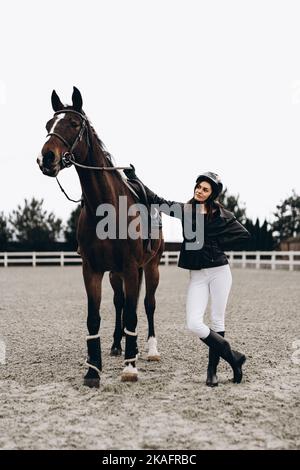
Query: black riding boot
point(213, 361)
point(222, 347)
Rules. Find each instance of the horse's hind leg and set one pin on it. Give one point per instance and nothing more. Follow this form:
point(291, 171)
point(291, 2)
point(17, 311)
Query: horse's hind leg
point(93, 283)
point(152, 279)
point(119, 300)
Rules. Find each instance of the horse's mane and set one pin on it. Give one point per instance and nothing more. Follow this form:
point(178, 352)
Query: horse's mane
point(108, 158)
point(103, 149)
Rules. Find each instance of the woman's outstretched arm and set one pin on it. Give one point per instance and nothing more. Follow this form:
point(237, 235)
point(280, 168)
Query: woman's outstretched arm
point(171, 208)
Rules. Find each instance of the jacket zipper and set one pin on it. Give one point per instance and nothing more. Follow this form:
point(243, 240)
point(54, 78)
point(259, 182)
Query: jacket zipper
point(211, 252)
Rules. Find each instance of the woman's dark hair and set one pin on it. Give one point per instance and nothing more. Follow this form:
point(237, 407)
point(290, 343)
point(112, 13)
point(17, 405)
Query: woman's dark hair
point(211, 205)
point(212, 202)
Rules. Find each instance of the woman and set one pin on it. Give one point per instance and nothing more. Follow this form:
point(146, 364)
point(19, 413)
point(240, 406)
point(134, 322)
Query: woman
point(210, 274)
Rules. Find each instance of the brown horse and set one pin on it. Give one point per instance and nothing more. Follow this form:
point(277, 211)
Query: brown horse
point(72, 140)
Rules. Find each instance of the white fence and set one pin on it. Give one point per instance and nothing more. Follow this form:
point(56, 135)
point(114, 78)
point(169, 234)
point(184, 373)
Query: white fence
point(254, 259)
point(265, 259)
point(244, 259)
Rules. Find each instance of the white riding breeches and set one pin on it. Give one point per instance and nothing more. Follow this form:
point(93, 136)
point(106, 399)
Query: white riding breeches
point(213, 282)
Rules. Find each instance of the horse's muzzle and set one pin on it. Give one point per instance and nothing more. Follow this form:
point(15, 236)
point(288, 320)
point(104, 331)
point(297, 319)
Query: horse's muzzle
point(47, 167)
point(53, 171)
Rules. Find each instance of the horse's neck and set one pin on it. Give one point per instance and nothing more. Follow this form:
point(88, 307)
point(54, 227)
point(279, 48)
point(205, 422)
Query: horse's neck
point(98, 186)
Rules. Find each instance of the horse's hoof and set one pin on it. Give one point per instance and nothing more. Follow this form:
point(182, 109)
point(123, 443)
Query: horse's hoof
point(129, 374)
point(129, 377)
point(154, 358)
point(91, 383)
point(116, 352)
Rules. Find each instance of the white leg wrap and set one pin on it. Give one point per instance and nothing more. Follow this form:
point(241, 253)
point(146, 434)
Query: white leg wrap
point(127, 361)
point(93, 336)
point(92, 367)
point(130, 333)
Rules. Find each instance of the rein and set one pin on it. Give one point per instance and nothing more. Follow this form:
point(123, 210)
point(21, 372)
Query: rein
point(68, 160)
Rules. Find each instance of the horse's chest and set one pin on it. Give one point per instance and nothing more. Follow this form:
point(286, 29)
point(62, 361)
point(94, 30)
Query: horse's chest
point(103, 257)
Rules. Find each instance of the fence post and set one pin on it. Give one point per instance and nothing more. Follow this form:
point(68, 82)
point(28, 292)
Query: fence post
point(244, 259)
point(291, 259)
point(33, 258)
point(62, 259)
point(257, 260)
point(273, 263)
point(5, 260)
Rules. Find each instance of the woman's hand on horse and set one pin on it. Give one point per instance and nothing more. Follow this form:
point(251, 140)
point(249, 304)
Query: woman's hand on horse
point(130, 173)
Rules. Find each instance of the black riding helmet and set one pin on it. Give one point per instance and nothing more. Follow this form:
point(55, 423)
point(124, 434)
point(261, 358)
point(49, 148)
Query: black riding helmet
point(214, 180)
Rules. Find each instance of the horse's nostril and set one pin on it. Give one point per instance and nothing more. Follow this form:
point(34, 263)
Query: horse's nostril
point(48, 159)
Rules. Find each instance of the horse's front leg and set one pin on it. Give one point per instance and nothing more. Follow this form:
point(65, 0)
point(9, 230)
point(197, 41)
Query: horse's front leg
point(152, 280)
point(131, 284)
point(117, 285)
point(93, 283)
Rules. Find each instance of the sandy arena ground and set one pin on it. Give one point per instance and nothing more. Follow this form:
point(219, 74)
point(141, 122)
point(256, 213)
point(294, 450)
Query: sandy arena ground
point(43, 404)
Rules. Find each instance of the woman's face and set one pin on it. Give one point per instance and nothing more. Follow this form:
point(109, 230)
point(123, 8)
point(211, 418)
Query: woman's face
point(203, 191)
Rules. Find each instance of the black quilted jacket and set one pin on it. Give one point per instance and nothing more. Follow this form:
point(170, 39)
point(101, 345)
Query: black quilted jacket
point(222, 232)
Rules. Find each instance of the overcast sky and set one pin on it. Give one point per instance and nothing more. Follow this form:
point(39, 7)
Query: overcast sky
point(174, 87)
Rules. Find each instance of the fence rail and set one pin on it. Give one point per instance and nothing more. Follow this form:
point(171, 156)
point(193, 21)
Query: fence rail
point(243, 259)
point(265, 259)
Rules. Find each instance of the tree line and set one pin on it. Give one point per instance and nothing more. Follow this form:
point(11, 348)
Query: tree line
point(31, 228)
point(268, 235)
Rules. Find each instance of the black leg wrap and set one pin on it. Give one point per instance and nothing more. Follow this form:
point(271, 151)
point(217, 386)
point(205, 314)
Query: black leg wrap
point(94, 353)
point(131, 349)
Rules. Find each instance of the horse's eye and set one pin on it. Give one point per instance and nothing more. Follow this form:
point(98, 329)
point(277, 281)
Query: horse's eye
point(74, 124)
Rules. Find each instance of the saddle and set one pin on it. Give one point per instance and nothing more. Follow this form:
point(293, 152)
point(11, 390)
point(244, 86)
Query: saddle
point(153, 216)
point(154, 220)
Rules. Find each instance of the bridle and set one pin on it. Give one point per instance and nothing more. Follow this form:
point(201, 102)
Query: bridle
point(68, 158)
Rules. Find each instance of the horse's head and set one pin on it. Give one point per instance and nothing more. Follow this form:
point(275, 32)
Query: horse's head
point(68, 135)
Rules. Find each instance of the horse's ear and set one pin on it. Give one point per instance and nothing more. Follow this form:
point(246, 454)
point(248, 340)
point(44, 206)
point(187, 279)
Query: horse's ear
point(77, 99)
point(56, 103)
